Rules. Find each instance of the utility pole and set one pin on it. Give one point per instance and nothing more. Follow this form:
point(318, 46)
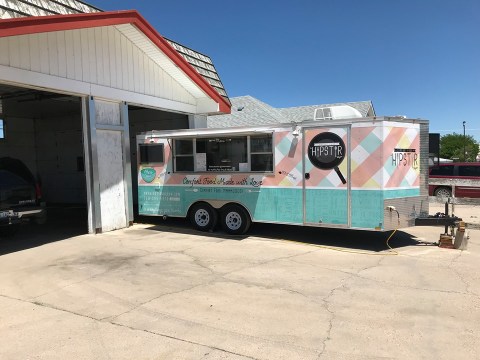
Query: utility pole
point(464, 142)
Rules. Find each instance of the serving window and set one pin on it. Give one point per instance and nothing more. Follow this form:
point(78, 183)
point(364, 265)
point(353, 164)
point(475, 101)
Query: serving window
point(151, 153)
point(224, 154)
point(183, 155)
point(261, 153)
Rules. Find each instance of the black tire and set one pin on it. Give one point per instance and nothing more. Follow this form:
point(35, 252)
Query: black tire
point(235, 219)
point(203, 217)
point(443, 192)
point(9, 230)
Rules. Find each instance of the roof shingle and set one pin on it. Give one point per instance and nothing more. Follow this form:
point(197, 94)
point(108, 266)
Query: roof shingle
point(249, 111)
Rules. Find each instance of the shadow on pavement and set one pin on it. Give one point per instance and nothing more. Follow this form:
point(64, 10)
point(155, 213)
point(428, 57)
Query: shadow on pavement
point(66, 222)
point(342, 238)
point(63, 222)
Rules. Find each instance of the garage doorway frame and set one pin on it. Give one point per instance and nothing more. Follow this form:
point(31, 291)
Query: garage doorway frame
point(92, 174)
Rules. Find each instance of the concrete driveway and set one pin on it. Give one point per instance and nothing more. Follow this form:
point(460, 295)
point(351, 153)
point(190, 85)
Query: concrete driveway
point(166, 292)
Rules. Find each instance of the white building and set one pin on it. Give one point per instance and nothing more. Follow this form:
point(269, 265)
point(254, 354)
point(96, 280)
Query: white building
point(74, 91)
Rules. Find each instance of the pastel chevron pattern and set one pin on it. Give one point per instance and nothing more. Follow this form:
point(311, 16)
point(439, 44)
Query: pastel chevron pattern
point(371, 158)
point(372, 151)
point(327, 178)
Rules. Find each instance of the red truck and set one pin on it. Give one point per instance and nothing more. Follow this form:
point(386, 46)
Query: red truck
point(457, 173)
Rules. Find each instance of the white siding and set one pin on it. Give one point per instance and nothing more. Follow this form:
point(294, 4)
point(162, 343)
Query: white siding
point(92, 56)
point(70, 55)
point(62, 54)
point(119, 60)
point(4, 54)
point(77, 53)
point(83, 51)
point(105, 58)
point(130, 64)
point(52, 46)
point(112, 60)
point(34, 53)
point(101, 56)
point(44, 63)
point(111, 182)
point(14, 50)
point(23, 43)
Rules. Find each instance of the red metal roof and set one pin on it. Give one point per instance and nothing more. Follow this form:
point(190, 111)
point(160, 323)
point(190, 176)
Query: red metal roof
point(41, 24)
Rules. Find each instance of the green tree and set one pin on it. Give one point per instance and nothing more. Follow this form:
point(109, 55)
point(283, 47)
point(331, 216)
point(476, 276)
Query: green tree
point(452, 146)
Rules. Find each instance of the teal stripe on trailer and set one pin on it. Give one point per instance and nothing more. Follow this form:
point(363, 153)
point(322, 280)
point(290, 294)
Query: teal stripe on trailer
point(368, 205)
point(367, 208)
point(401, 193)
point(326, 206)
point(283, 205)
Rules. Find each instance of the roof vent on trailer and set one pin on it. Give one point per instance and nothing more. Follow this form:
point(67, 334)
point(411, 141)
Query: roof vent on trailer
point(336, 112)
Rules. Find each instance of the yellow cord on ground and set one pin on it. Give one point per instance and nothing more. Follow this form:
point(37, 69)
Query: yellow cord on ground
point(394, 251)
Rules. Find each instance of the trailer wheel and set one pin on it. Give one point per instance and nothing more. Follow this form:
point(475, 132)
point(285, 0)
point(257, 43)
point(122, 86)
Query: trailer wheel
point(443, 192)
point(203, 217)
point(235, 219)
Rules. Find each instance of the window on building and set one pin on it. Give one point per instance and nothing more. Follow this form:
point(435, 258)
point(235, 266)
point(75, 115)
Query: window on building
point(2, 129)
point(224, 154)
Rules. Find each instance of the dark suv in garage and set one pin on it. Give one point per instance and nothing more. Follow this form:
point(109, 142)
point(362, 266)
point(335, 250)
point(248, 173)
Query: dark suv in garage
point(20, 196)
point(453, 172)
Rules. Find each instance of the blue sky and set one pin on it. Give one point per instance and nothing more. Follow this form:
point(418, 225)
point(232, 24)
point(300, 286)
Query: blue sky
point(419, 58)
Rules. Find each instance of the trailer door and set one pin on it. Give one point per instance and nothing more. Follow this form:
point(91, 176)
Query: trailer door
point(326, 182)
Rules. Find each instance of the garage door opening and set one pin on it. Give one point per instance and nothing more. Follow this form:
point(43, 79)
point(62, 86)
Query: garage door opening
point(143, 120)
point(44, 131)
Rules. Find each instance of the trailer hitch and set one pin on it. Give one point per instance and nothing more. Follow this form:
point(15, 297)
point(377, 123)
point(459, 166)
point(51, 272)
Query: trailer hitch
point(439, 219)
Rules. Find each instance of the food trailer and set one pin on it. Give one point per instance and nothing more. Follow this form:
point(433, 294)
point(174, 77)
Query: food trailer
point(362, 173)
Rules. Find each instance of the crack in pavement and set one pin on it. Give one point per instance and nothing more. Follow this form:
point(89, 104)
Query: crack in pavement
point(217, 278)
point(117, 266)
point(113, 317)
point(194, 260)
point(460, 276)
point(264, 262)
point(326, 301)
point(390, 283)
point(122, 243)
point(236, 334)
point(331, 294)
point(246, 337)
point(127, 327)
